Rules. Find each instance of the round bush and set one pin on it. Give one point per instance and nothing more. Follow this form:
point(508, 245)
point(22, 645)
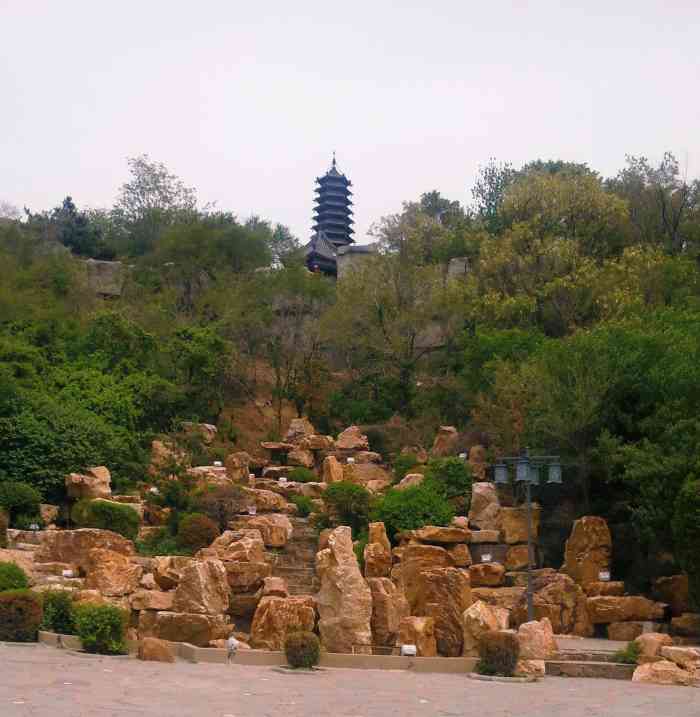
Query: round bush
point(452, 477)
point(498, 653)
point(106, 515)
point(302, 649)
point(304, 504)
point(413, 508)
point(58, 612)
point(302, 475)
point(196, 531)
point(349, 504)
point(19, 499)
point(20, 615)
point(12, 577)
point(101, 628)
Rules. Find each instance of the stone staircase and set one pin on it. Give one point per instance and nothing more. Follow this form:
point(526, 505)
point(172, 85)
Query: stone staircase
point(296, 561)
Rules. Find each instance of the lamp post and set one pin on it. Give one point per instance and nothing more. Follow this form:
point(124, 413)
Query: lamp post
point(527, 473)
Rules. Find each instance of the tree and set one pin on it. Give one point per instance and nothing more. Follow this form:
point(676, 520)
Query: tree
point(75, 230)
point(489, 190)
point(8, 211)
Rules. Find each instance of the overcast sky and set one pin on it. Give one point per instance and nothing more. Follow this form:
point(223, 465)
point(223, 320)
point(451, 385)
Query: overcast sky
point(246, 100)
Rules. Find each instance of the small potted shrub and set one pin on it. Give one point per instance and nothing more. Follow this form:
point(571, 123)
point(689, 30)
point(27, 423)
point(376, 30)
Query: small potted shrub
point(302, 650)
point(20, 615)
point(101, 628)
point(498, 653)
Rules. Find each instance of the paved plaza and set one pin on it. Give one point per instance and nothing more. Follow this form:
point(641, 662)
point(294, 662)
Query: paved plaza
point(40, 681)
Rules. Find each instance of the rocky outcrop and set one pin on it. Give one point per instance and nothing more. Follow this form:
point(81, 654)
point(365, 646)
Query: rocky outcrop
point(478, 619)
point(195, 628)
point(238, 467)
point(377, 554)
point(352, 439)
point(445, 443)
point(332, 470)
point(673, 590)
point(409, 481)
point(536, 640)
point(152, 600)
point(151, 649)
point(507, 598)
point(686, 657)
point(276, 530)
point(418, 631)
point(686, 625)
point(112, 573)
point(485, 508)
point(606, 609)
point(650, 644)
point(517, 557)
point(244, 545)
point(460, 555)
point(514, 524)
point(389, 607)
point(414, 560)
point(301, 457)
point(298, 429)
point(276, 617)
point(246, 577)
point(265, 501)
point(203, 588)
point(588, 550)
point(435, 534)
point(344, 599)
point(74, 546)
point(168, 569)
point(94, 483)
point(665, 672)
point(487, 575)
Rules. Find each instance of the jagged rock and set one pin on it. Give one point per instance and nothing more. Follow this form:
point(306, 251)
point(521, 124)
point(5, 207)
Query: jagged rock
point(614, 588)
point(442, 535)
point(460, 555)
point(148, 582)
point(605, 609)
point(625, 631)
point(686, 625)
point(650, 644)
point(151, 600)
point(368, 457)
point(487, 575)
point(275, 529)
point(445, 442)
point(409, 481)
point(560, 599)
point(414, 560)
point(477, 462)
point(377, 554)
point(665, 673)
point(74, 546)
point(530, 668)
point(299, 428)
point(112, 573)
point(246, 577)
point(366, 473)
point(203, 588)
point(266, 501)
point(238, 467)
point(477, 619)
point(536, 640)
point(389, 607)
point(274, 587)
point(194, 628)
point(168, 569)
point(673, 590)
point(332, 470)
point(588, 550)
point(317, 442)
point(244, 545)
point(444, 594)
point(94, 483)
point(506, 598)
point(518, 578)
point(352, 439)
point(164, 457)
point(485, 508)
point(516, 557)
point(276, 617)
point(419, 631)
point(485, 536)
point(105, 278)
point(151, 649)
point(301, 457)
point(344, 600)
point(514, 524)
point(48, 513)
point(686, 657)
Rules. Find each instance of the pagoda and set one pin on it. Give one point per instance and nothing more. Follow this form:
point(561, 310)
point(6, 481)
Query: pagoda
point(332, 220)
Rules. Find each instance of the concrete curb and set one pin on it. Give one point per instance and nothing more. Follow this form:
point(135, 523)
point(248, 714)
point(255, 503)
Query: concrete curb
point(497, 678)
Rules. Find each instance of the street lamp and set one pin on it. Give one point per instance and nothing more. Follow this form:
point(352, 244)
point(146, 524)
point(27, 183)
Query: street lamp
point(527, 472)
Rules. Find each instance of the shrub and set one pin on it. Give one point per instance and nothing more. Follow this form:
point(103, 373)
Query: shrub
point(498, 653)
point(196, 531)
point(101, 628)
point(4, 525)
point(160, 543)
point(28, 522)
point(20, 615)
point(12, 577)
point(222, 504)
point(302, 475)
point(453, 477)
point(403, 464)
point(686, 535)
point(302, 649)
point(106, 515)
point(304, 504)
point(412, 508)
point(58, 612)
point(19, 499)
point(348, 504)
point(628, 655)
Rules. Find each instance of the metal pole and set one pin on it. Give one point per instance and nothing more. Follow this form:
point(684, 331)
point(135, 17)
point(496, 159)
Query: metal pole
point(530, 606)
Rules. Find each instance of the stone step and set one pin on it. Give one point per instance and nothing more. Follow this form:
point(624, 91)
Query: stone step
point(581, 668)
point(585, 656)
point(18, 537)
point(59, 581)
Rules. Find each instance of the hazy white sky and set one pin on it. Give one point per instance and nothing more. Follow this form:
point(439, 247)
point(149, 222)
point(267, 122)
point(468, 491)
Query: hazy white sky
point(246, 100)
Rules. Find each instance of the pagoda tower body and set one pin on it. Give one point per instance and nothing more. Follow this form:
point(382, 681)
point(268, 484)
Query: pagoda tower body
point(333, 210)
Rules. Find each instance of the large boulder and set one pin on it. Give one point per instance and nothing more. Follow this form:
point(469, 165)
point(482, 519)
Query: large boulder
point(440, 535)
point(151, 649)
point(625, 631)
point(445, 443)
point(203, 588)
point(536, 640)
point(238, 545)
point(276, 617)
point(444, 594)
point(298, 429)
point(517, 557)
point(317, 442)
point(112, 573)
point(194, 628)
point(588, 550)
point(344, 599)
point(275, 529)
point(266, 501)
point(246, 577)
point(560, 599)
point(152, 600)
point(514, 523)
point(409, 481)
point(665, 672)
point(601, 587)
point(74, 546)
point(507, 598)
point(686, 657)
point(606, 609)
point(168, 569)
point(485, 508)
point(301, 457)
point(352, 439)
point(369, 475)
point(460, 555)
point(486, 575)
point(414, 560)
point(686, 625)
point(332, 470)
point(377, 554)
point(389, 607)
point(478, 619)
point(94, 483)
point(650, 644)
point(418, 631)
point(673, 590)
point(238, 467)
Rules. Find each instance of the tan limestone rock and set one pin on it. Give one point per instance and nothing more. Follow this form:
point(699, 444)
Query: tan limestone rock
point(485, 536)
point(614, 587)
point(530, 668)
point(650, 644)
point(244, 545)
point(686, 657)
point(274, 587)
point(165, 456)
point(194, 628)
point(48, 513)
point(487, 575)
point(317, 442)
point(665, 672)
point(332, 470)
point(536, 640)
point(389, 607)
point(477, 463)
point(588, 549)
point(344, 599)
point(377, 561)
point(625, 631)
point(299, 428)
point(112, 573)
point(94, 483)
point(444, 594)
point(514, 524)
point(276, 617)
point(301, 457)
point(352, 439)
point(246, 577)
point(477, 619)
point(460, 555)
point(506, 598)
point(673, 590)
point(266, 501)
point(419, 631)
point(206, 431)
point(368, 457)
point(168, 569)
point(517, 557)
point(605, 609)
point(151, 600)
point(151, 649)
point(485, 508)
point(442, 535)
point(445, 443)
point(366, 473)
point(686, 625)
point(414, 560)
point(238, 467)
point(410, 480)
point(203, 588)
point(276, 530)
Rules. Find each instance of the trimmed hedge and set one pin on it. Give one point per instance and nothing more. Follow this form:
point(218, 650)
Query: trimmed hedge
point(106, 515)
point(18, 498)
point(58, 612)
point(101, 628)
point(498, 652)
point(12, 577)
point(21, 613)
point(302, 650)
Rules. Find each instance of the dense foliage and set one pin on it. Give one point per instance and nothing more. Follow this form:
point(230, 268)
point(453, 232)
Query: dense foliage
point(106, 515)
point(196, 531)
point(19, 499)
point(302, 650)
point(58, 612)
point(686, 531)
point(12, 577)
point(348, 504)
point(101, 628)
point(453, 478)
point(20, 615)
point(498, 653)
